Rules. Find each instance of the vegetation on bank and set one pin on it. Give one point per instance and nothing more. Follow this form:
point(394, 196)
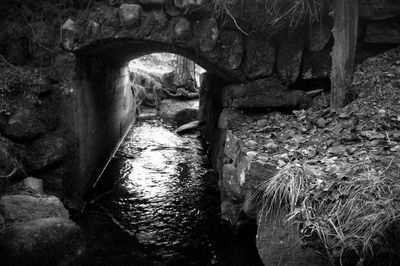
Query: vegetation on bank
point(339, 172)
point(271, 16)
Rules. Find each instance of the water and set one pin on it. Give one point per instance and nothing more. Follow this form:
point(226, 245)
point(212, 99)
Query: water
point(158, 204)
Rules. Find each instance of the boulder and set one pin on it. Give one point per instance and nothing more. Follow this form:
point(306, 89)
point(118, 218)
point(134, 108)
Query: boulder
point(188, 127)
point(46, 151)
point(280, 244)
point(130, 15)
point(24, 125)
point(208, 34)
point(380, 32)
point(289, 58)
point(69, 34)
point(379, 9)
point(260, 57)
point(46, 241)
point(23, 208)
point(182, 28)
point(320, 34)
point(185, 116)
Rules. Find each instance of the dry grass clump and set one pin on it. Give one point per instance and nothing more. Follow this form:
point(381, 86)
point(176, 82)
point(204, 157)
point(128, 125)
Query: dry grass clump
point(274, 14)
point(352, 213)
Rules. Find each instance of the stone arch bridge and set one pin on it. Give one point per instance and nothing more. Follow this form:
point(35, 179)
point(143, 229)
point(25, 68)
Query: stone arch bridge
point(106, 37)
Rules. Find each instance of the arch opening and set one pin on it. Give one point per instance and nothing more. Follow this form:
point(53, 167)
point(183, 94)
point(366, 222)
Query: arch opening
point(106, 107)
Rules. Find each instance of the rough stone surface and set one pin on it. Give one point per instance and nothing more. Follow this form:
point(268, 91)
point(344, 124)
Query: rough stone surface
point(251, 204)
point(260, 57)
point(379, 32)
point(152, 2)
point(185, 116)
point(263, 93)
point(289, 57)
point(320, 34)
point(69, 34)
point(172, 11)
point(46, 241)
point(230, 211)
point(208, 34)
point(6, 163)
point(187, 3)
point(182, 28)
point(23, 208)
point(317, 64)
point(34, 184)
point(379, 9)
point(24, 125)
point(46, 151)
point(160, 17)
point(279, 244)
point(130, 14)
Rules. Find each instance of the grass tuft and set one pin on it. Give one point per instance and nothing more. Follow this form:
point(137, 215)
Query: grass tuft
point(354, 213)
point(274, 15)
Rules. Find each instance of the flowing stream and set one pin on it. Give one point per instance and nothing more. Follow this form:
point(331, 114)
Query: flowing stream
point(157, 203)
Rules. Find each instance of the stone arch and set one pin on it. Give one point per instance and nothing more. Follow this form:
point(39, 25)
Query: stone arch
point(106, 37)
point(105, 107)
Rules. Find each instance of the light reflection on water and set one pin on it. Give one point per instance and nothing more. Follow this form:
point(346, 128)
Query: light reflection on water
point(163, 195)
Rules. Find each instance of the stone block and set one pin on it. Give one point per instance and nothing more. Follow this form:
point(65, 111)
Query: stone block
point(46, 151)
point(24, 125)
point(379, 9)
point(130, 15)
point(69, 34)
point(182, 28)
point(317, 65)
point(35, 184)
point(380, 32)
point(46, 241)
point(208, 34)
point(152, 2)
point(23, 208)
point(289, 56)
point(230, 183)
point(262, 93)
point(260, 57)
point(320, 34)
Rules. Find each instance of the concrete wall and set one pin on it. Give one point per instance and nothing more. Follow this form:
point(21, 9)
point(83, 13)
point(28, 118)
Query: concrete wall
point(105, 111)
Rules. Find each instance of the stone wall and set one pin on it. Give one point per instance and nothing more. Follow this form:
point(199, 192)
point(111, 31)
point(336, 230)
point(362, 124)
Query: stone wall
point(105, 111)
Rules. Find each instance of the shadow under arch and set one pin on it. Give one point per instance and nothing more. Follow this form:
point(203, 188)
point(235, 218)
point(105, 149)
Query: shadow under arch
point(105, 108)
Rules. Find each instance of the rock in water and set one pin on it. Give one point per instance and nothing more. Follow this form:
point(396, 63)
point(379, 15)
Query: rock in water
point(22, 208)
point(45, 242)
point(185, 116)
point(188, 127)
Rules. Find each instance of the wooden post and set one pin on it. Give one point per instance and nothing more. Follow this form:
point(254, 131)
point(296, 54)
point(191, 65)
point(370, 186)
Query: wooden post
point(344, 49)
